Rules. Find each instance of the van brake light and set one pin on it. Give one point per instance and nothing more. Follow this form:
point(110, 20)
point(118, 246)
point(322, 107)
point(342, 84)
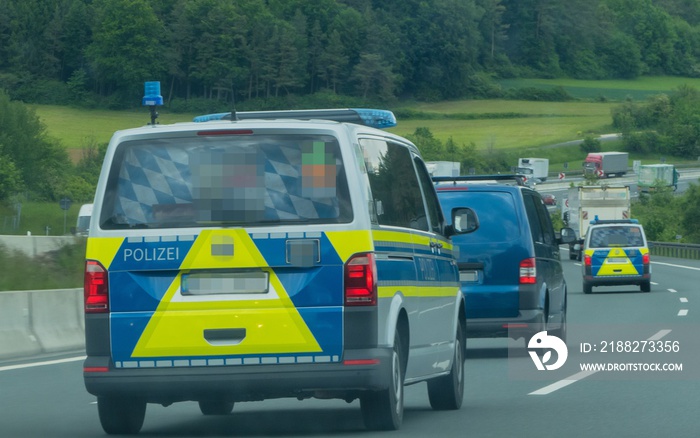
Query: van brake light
point(96, 288)
point(360, 278)
point(528, 271)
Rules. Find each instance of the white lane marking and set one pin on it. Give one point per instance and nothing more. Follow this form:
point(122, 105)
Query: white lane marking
point(673, 291)
point(676, 266)
point(38, 364)
point(654, 283)
point(659, 335)
point(684, 300)
point(562, 383)
point(683, 312)
point(583, 374)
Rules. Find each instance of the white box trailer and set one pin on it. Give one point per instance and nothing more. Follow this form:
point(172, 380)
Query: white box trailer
point(443, 168)
point(537, 168)
point(586, 203)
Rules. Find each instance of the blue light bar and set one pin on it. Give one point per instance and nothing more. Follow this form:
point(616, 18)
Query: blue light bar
point(369, 117)
point(210, 117)
point(597, 221)
point(151, 94)
point(376, 118)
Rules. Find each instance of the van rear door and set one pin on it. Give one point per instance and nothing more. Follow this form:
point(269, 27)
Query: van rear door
point(216, 250)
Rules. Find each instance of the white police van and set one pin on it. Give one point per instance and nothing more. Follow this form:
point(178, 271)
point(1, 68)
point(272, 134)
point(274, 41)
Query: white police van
point(278, 254)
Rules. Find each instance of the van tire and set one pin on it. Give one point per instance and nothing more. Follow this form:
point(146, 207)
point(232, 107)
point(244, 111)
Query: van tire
point(646, 286)
point(383, 410)
point(447, 392)
point(587, 287)
point(121, 415)
point(561, 331)
point(215, 407)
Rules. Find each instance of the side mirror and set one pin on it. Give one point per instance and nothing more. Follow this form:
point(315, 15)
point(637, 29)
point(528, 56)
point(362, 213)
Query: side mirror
point(567, 234)
point(464, 220)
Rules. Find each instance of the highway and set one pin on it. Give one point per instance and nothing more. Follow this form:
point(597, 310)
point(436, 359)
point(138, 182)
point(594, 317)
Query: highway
point(559, 187)
point(46, 398)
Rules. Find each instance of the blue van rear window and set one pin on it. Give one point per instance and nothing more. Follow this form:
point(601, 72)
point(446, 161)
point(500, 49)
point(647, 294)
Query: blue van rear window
point(498, 221)
point(227, 180)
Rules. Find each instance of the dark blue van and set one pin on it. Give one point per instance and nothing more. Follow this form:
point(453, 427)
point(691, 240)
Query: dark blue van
point(510, 268)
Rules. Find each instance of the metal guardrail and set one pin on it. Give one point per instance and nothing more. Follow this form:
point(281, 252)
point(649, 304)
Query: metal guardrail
point(677, 250)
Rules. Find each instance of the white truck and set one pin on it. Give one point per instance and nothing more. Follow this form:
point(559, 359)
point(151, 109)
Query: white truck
point(586, 203)
point(653, 176)
point(443, 168)
point(533, 168)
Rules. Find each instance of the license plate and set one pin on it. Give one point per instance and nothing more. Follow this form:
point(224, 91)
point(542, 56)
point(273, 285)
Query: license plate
point(617, 261)
point(211, 283)
point(469, 276)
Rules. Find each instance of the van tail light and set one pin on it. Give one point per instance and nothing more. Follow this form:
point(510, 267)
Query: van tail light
point(360, 279)
point(646, 259)
point(587, 260)
point(528, 271)
point(96, 288)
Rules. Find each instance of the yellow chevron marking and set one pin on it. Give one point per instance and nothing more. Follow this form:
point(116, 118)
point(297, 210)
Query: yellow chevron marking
point(272, 325)
point(626, 268)
point(347, 243)
point(103, 249)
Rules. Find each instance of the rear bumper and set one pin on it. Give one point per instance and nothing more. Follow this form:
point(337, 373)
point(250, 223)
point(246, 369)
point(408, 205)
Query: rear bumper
point(526, 324)
point(242, 382)
point(617, 280)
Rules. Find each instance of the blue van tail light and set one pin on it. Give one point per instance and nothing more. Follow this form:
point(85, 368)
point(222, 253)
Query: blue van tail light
point(528, 271)
point(646, 259)
point(361, 280)
point(96, 288)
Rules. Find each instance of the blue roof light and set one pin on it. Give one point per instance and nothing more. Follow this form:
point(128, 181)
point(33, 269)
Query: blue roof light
point(151, 94)
point(376, 118)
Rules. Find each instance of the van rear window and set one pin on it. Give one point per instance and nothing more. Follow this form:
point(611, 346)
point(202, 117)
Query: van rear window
point(498, 219)
point(226, 180)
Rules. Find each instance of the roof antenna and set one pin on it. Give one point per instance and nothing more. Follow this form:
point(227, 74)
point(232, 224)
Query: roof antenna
point(234, 116)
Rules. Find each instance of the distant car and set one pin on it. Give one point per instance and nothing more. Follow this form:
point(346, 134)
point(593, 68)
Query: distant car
point(616, 252)
point(549, 199)
point(510, 269)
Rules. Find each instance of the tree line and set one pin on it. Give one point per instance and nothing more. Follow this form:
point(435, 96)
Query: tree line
point(92, 52)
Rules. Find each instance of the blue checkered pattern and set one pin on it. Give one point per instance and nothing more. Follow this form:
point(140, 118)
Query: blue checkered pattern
point(151, 176)
point(160, 175)
point(606, 237)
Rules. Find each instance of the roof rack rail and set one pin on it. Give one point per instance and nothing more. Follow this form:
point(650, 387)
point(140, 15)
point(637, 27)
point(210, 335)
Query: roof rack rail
point(374, 118)
point(516, 179)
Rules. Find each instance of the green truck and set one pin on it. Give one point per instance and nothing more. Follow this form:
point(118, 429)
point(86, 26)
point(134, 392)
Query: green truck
point(654, 176)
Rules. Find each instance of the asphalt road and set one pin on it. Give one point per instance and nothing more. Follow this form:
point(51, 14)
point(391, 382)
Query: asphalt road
point(49, 399)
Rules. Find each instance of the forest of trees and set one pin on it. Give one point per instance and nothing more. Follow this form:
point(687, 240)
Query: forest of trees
point(91, 52)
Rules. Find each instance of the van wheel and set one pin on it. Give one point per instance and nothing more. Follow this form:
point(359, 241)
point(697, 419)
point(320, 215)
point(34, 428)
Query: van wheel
point(121, 415)
point(587, 287)
point(447, 392)
point(215, 407)
point(383, 410)
point(561, 331)
point(646, 286)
